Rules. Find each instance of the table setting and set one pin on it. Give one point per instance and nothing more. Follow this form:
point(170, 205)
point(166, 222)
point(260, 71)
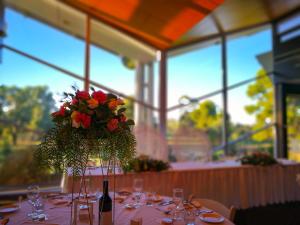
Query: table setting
point(133, 206)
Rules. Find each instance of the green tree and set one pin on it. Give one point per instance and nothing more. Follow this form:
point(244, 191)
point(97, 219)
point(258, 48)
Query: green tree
point(24, 109)
point(206, 117)
point(129, 104)
point(261, 92)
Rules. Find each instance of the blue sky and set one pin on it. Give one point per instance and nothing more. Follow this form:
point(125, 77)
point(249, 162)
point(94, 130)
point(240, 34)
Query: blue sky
point(194, 74)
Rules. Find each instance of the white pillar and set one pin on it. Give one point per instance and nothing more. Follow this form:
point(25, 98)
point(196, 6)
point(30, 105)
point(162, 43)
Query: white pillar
point(150, 94)
point(139, 93)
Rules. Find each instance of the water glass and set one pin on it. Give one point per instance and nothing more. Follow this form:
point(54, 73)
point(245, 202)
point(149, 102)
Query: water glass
point(138, 188)
point(177, 196)
point(33, 193)
point(190, 217)
point(177, 199)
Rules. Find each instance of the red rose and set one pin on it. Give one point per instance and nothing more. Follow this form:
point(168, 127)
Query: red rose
point(60, 112)
point(74, 101)
point(123, 118)
point(112, 124)
point(85, 120)
point(99, 96)
point(83, 95)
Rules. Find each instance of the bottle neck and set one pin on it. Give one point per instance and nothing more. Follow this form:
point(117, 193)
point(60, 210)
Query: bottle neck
point(105, 187)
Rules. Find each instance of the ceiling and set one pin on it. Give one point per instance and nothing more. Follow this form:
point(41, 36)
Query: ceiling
point(138, 28)
point(158, 23)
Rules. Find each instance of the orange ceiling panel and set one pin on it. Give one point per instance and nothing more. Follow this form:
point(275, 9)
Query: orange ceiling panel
point(158, 23)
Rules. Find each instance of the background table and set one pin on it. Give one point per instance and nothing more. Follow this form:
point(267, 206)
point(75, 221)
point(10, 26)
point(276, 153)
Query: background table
point(227, 182)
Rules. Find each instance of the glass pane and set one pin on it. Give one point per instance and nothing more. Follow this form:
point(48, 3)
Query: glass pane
point(293, 126)
point(242, 55)
point(29, 92)
point(45, 42)
point(289, 23)
point(250, 109)
point(194, 130)
point(255, 143)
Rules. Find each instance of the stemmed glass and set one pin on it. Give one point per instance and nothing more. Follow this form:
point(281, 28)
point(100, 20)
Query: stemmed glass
point(32, 198)
point(138, 188)
point(177, 199)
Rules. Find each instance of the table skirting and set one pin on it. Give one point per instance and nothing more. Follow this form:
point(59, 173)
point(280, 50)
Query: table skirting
point(228, 183)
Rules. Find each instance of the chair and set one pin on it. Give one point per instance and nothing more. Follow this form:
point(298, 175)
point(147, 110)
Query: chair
point(228, 213)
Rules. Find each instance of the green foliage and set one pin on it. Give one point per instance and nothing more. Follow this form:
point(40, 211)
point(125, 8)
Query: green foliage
point(258, 159)
point(19, 168)
point(206, 117)
point(129, 108)
point(218, 155)
point(145, 163)
point(25, 108)
point(262, 93)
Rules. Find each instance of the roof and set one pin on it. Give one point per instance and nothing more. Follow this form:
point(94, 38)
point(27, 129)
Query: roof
point(138, 28)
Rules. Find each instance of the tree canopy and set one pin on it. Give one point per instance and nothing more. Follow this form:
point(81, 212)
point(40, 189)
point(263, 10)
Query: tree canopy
point(25, 109)
point(261, 92)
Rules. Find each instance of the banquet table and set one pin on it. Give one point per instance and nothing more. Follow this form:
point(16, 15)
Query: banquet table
point(242, 186)
point(60, 214)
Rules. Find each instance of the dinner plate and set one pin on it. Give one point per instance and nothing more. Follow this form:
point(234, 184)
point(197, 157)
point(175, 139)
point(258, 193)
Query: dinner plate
point(211, 218)
point(129, 206)
point(9, 209)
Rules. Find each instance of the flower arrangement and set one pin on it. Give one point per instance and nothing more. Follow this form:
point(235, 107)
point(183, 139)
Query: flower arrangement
point(88, 125)
point(258, 158)
point(144, 163)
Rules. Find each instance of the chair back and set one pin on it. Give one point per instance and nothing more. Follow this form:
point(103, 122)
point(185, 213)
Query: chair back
point(228, 213)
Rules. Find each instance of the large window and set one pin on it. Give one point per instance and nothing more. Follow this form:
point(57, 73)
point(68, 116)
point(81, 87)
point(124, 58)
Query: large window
point(195, 129)
point(250, 106)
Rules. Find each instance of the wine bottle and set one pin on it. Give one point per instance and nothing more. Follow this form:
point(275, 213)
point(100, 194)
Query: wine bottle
point(105, 206)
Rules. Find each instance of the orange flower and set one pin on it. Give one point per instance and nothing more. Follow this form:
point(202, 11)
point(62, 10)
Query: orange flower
point(93, 103)
point(120, 102)
point(112, 124)
point(113, 104)
point(75, 119)
point(80, 119)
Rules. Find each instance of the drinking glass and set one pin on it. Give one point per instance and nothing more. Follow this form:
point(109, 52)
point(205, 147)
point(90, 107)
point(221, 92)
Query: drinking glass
point(190, 217)
point(177, 199)
point(138, 188)
point(32, 198)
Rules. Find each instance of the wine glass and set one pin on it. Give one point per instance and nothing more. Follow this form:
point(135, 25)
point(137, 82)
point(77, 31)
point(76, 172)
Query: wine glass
point(177, 199)
point(138, 188)
point(33, 192)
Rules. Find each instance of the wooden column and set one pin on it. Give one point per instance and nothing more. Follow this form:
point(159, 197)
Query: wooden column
point(163, 92)
point(87, 54)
